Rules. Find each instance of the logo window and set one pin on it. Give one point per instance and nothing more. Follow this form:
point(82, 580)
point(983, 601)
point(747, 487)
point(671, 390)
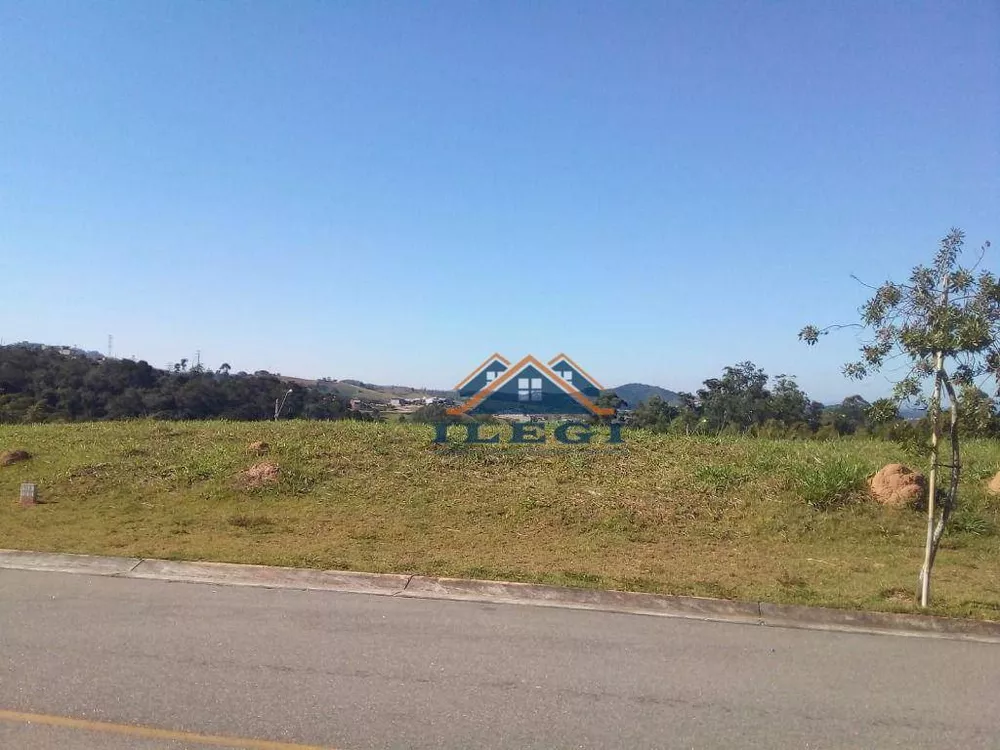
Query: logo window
point(529, 389)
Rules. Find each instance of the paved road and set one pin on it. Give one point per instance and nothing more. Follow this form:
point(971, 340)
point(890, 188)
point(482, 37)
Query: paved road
point(354, 671)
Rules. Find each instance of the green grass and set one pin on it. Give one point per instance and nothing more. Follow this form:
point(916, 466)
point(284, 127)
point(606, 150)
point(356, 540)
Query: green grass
point(784, 521)
point(828, 481)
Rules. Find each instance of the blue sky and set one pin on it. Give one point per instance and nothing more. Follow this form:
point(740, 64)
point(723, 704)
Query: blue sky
point(392, 191)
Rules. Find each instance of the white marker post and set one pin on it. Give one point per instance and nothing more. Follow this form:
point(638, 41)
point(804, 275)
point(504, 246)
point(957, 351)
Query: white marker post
point(29, 494)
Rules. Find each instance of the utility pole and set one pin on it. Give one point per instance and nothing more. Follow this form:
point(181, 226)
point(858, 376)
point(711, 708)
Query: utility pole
point(111, 345)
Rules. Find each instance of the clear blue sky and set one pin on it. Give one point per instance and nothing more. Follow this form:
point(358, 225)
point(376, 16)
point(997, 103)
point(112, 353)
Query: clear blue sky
point(392, 191)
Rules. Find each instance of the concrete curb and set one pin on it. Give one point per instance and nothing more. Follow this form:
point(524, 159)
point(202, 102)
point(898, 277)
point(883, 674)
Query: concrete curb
point(261, 575)
point(855, 621)
point(56, 562)
point(502, 592)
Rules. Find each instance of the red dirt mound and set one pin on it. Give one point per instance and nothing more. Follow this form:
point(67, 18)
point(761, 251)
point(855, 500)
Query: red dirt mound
point(897, 486)
point(994, 486)
point(262, 473)
point(8, 458)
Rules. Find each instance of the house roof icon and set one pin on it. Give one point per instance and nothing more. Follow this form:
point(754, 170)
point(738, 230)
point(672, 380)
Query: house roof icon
point(570, 371)
point(495, 363)
point(530, 386)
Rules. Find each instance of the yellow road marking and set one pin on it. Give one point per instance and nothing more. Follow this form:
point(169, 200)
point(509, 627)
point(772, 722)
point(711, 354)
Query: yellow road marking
point(151, 733)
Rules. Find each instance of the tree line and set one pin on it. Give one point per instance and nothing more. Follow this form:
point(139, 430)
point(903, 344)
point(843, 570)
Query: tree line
point(746, 401)
point(44, 385)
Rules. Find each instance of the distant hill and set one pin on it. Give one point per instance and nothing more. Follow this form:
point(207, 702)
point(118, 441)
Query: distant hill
point(370, 391)
point(635, 393)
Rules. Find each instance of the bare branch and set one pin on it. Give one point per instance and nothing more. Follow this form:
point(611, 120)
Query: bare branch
point(982, 254)
point(866, 285)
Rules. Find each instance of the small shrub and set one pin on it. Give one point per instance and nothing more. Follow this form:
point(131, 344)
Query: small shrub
point(966, 521)
point(828, 483)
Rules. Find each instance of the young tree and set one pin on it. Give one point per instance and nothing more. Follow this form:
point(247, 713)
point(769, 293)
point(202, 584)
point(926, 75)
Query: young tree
point(946, 323)
point(738, 399)
point(654, 414)
point(788, 404)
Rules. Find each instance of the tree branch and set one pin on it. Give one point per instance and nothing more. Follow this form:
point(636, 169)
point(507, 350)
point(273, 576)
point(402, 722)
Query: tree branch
point(865, 284)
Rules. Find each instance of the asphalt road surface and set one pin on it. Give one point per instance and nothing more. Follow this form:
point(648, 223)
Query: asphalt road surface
point(89, 662)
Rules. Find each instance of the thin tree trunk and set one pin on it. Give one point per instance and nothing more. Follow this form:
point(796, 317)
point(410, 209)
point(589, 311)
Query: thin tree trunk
point(950, 500)
point(933, 534)
point(925, 571)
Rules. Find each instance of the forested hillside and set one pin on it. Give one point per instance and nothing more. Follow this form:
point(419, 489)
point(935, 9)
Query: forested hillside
point(43, 385)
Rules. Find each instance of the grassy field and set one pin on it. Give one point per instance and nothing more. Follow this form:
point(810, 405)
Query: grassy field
point(784, 521)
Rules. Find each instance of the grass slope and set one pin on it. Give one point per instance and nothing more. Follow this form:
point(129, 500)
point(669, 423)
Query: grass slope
point(748, 519)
